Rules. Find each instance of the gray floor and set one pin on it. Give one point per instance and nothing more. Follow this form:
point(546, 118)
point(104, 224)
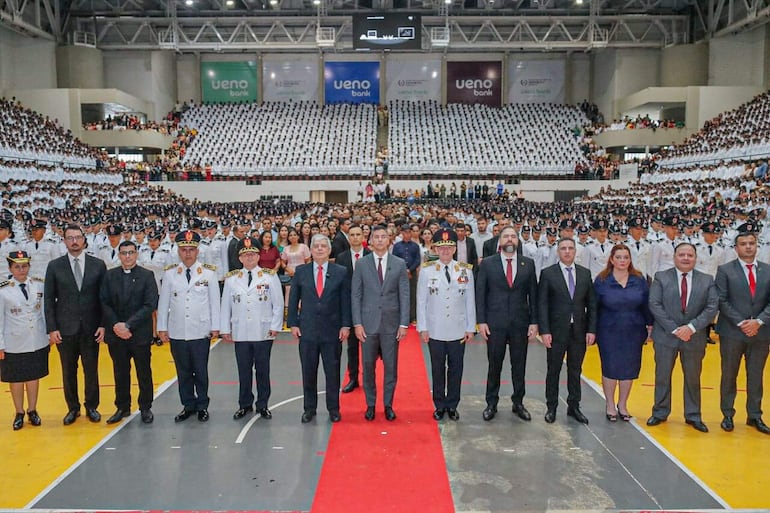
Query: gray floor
point(503, 465)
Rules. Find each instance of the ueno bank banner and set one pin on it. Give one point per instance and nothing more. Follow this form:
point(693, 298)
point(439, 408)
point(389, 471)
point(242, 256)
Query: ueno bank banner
point(223, 82)
point(352, 82)
point(414, 80)
point(535, 81)
point(474, 82)
point(295, 80)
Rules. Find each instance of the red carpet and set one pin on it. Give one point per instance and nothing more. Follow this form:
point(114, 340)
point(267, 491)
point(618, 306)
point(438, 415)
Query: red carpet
point(381, 466)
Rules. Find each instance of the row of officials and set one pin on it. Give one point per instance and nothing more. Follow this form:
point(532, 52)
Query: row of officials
point(363, 299)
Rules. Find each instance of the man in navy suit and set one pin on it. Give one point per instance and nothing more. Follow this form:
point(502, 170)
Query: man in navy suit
point(319, 318)
point(506, 310)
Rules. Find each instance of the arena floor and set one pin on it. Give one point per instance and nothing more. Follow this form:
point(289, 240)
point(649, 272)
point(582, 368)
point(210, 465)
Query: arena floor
point(282, 465)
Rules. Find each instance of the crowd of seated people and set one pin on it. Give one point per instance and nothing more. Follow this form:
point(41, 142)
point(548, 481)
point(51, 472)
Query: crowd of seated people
point(426, 136)
point(282, 138)
point(43, 171)
point(743, 132)
point(639, 122)
point(28, 135)
point(130, 121)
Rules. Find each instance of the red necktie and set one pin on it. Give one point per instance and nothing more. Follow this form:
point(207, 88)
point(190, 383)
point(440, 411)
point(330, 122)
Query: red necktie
point(509, 272)
point(379, 270)
point(684, 292)
point(319, 281)
point(752, 280)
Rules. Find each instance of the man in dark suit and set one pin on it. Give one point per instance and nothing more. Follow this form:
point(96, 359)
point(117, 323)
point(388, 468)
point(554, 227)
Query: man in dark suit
point(380, 302)
point(129, 296)
point(490, 246)
point(240, 230)
point(323, 323)
point(567, 322)
point(73, 317)
point(348, 260)
point(466, 247)
point(683, 302)
point(506, 310)
point(341, 243)
point(743, 286)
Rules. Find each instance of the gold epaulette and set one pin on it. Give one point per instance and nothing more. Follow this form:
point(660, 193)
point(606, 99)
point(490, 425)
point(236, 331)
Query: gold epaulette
point(170, 266)
point(37, 278)
point(5, 283)
point(465, 265)
point(210, 267)
point(232, 273)
point(268, 271)
point(426, 264)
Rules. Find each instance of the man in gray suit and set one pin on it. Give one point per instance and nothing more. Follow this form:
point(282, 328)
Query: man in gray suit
point(683, 302)
point(380, 301)
point(744, 312)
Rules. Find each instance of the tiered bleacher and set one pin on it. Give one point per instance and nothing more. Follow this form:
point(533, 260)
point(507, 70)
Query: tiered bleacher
point(454, 139)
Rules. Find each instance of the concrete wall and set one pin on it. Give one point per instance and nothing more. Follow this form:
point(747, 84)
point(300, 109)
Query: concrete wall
point(188, 78)
point(739, 60)
point(26, 62)
point(79, 67)
point(60, 104)
point(684, 65)
point(148, 75)
point(619, 73)
point(126, 138)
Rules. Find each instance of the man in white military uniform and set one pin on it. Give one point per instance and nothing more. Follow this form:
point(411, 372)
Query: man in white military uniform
point(7, 245)
point(639, 246)
point(252, 315)
point(109, 251)
point(188, 317)
point(40, 251)
point(662, 255)
point(446, 320)
point(598, 252)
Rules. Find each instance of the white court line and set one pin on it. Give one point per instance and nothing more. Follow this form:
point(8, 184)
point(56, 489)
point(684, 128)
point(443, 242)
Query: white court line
point(662, 449)
point(165, 386)
point(251, 422)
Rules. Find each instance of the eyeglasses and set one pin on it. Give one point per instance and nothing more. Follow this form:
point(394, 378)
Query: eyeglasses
point(73, 238)
point(127, 253)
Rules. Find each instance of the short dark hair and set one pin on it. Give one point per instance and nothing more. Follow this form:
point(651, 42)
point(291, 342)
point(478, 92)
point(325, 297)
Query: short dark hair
point(74, 227)
point(566, 239)
point(126, 243)
point(747, 234)
point(676, 248)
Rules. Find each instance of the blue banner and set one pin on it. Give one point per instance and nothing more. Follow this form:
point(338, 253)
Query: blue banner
point(352, 82)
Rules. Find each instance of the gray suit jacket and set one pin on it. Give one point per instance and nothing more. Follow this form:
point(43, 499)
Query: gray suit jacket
point(736, 303)
point(380, 308)
point(666, 307)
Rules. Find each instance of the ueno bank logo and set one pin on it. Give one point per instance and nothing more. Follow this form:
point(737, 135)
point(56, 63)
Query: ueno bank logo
point(478, 86)
point(235, 87)
point(361, 88)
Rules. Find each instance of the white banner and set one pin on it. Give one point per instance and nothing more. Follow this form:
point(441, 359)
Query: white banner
point(295, 80)
point(413, 80)
point(535, 81)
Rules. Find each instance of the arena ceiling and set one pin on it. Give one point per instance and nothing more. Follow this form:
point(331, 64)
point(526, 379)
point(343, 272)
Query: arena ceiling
point(325, 25)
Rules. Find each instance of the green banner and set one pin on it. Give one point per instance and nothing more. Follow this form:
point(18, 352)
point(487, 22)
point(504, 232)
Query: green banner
point(225, 82)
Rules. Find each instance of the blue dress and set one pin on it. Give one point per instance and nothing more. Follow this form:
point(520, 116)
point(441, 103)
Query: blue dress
point(623, 317)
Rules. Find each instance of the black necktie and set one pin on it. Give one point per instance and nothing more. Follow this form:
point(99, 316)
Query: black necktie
point(637, 246)
point(187, 273)
point(113, 257)
point(446, 273)
point(37, 246)
point(602, 246)
point(249, 282)
point(152, 255)
point(711, 250)
point(23, 287)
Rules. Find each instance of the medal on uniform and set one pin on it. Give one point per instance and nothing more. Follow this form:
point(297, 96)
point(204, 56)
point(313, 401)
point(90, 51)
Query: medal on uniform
point(200, 270)
point(432, 288)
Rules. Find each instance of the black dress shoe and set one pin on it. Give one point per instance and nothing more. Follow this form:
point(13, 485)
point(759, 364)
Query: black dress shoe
point(93, 415)
point(757, 423)
point(489, 413)
point(576, 414)
point(335, 416)
point(369, 415)
point(389, 413)
point(147, 416)
point(698, 425)
point(203, 415)
point(70, 417)
point(307, 416)
point(654, 421)
point(550, 416)
point(34, 418)
point(438, 414)
point(350, 386)
point(452, 414)
point(18, 422)
point(521, 412)
point(183, 415)
point(727, 424)
point(118, 416)
point(242, 412)
point(265, 413)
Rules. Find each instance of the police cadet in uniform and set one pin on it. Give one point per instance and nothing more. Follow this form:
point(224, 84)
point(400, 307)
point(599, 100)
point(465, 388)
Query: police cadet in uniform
point(39, 250)
point(252, 315)
point(446, 320)
point(6, 238)
point(599, 251)
point(188, 317)
point(23, 341)
point(639, 247)
point(662, 255)
point(109, 252)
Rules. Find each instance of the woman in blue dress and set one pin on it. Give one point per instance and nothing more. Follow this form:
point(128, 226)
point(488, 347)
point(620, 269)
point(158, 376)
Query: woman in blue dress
point(624, 323)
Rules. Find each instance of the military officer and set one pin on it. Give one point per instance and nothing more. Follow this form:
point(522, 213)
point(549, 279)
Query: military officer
point(109, 252)
point(662, 255)
point(252, 315)
point(188, 317)
point(40, 251)
point(711, 254)
point(7, 245)
point(639, 246)
point(598, 252)
point(446, 320)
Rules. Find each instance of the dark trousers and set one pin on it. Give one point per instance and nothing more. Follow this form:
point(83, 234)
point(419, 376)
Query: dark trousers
point(122, 352)
point(385, 345)
point(253, 360)
point(691, 357)
point(81, 346)
point(353, 356)
point(310, 352)
point(446, 365)
point(732, 351)
point(501, 339)
point(413, 296)
point(191, 359)
point(574, 346)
